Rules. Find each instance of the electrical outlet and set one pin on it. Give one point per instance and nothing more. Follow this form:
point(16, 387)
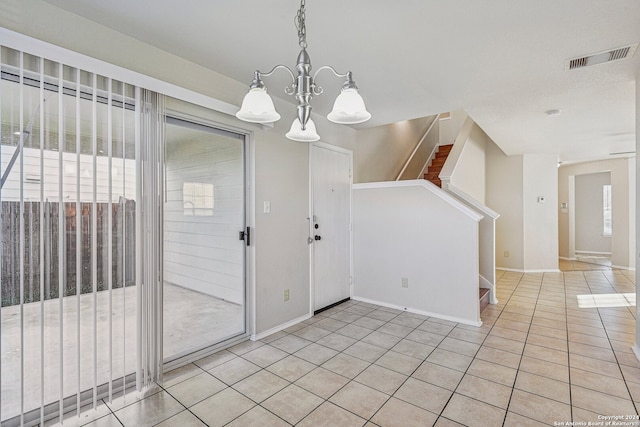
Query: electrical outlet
point(405, 282)
point(506, 254)
point(286, 294)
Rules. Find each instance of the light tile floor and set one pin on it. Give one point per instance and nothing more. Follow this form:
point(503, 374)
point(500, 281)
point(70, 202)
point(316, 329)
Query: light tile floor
point(582, 263)
point(537, 359)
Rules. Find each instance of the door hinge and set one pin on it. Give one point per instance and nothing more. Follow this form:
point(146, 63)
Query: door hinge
point(245, 235)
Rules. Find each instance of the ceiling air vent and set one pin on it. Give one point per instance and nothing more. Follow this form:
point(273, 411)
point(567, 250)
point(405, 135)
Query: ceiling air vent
point(602, 57)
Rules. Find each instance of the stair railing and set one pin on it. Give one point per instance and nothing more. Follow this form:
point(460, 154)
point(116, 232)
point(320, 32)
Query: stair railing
point(486, 238)
point(415, 150)
point(454, 155)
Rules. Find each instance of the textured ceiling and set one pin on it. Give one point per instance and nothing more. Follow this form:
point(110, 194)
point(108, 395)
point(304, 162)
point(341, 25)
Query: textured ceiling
point(503, 61)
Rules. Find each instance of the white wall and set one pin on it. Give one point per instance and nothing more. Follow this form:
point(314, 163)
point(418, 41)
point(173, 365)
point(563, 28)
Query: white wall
point(540, 218)
point(521, 189)
point(623, 186)
point(379, 153)
point(450, 128)
point(282, 259)
point(504, 185)
point(526, 230)
point(589, 217)
point(469, 173)
point(411, 230)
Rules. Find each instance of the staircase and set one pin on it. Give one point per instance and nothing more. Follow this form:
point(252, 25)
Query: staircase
point(483, 295)
point(436, 164)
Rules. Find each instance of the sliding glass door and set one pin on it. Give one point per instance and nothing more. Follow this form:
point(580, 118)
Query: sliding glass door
point(204, 258)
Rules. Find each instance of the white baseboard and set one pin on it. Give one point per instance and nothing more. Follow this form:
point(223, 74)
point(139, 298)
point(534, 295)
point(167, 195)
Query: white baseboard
point(515, 270)
point(593, 253)
point(415, 311)
point(619, 267)
point(636, 351)
point(623, 267)
point(261, 335)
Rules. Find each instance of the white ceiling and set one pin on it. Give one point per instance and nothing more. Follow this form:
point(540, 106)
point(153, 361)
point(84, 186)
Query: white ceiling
point(503, 61)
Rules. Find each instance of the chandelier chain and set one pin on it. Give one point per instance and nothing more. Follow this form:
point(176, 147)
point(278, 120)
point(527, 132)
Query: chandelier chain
point(300, 25)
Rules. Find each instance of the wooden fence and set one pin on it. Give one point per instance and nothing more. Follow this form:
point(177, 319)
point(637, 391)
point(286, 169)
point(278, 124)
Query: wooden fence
point(47, 231)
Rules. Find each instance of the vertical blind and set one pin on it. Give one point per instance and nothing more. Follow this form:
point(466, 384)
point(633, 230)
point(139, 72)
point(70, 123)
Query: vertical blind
point(150, 164)
point(79, 314)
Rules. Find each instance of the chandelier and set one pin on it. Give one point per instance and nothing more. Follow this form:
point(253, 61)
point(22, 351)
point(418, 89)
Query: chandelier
point(257, 105)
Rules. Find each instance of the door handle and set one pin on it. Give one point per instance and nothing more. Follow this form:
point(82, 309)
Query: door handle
point(246, 236)
point(318, 237)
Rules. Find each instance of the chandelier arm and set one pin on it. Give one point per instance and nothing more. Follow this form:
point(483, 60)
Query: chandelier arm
point(293, 77)
point(289, 90)
point(329, 67)
point(317, 89)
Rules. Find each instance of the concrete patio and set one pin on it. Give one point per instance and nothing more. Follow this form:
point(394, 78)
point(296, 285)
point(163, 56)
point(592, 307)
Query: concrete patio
point(191, 321)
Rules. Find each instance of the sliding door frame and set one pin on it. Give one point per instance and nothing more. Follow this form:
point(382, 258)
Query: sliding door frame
point(212, 125)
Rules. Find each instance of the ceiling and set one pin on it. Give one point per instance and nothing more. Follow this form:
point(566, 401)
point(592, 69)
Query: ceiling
point(502, 61)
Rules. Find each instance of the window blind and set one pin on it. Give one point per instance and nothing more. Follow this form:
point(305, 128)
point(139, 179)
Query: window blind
point(80, 314)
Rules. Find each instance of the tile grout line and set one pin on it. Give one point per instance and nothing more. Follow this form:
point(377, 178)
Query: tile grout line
point(453, 392)
point(624, 378)
point(515, 380)
point(370, 364)
point(418, 367)
point(183, 405)
point(317, 366)
point(513, 292)
point(566, 317)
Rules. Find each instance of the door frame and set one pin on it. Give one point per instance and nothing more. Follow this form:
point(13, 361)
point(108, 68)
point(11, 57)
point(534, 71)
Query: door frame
point(310, 221)
point(213, 120)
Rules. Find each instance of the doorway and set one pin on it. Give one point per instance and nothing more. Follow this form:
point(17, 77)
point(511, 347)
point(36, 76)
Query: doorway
point(204, 257)
point(330, 221)
point(590, 221)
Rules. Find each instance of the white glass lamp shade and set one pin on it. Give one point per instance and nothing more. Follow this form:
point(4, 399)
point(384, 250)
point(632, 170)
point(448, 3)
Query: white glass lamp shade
point(257, 107)
point(349, 109)
point(297, 134)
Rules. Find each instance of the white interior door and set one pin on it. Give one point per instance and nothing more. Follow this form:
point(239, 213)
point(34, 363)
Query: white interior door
point(331, 224)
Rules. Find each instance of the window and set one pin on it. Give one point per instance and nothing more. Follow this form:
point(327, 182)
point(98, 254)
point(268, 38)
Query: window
point(606, 210)
point(197, 199)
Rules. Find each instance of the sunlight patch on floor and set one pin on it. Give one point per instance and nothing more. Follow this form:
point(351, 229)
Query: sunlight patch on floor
point(606, 300)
